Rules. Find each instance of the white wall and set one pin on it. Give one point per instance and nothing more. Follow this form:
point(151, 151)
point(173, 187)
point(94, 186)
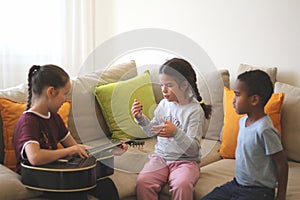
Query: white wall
point(258, 32)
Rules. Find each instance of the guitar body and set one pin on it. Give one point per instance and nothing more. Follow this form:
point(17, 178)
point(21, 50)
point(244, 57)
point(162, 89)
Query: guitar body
point(61, 176)
point(73, 174)
point(105, 164)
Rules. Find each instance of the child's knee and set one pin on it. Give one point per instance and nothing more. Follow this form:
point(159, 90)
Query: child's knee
point(182, 184)
point(144, 181)
point(140, 180)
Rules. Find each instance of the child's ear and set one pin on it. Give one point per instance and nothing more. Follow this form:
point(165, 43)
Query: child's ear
point(255, 99)
point(185, 84)
point(50, 91)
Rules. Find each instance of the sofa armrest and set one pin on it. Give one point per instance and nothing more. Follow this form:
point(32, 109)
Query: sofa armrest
point(11, 186)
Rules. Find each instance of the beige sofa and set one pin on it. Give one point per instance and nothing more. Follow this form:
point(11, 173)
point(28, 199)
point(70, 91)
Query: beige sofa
point(216, 170)
point(87, 124)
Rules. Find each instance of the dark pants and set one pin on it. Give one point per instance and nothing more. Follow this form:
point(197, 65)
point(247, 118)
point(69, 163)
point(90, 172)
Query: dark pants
point(233, 191)
point(105, 190)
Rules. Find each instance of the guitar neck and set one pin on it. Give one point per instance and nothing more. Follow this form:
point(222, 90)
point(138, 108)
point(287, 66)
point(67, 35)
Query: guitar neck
point(115, 143)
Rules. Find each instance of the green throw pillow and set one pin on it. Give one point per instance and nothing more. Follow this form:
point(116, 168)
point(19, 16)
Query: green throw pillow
point(115, 100)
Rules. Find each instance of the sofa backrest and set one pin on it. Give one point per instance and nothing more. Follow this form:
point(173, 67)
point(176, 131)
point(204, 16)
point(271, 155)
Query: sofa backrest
point(290, 115)
point(86, 122)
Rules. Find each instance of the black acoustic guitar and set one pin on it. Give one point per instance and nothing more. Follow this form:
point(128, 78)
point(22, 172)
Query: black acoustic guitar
point(73, 174)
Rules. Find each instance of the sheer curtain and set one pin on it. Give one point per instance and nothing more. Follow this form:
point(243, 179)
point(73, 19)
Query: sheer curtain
point(33, 32)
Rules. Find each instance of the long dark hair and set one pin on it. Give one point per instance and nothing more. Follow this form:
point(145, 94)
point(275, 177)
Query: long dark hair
point(183, 70)
point(40, 77)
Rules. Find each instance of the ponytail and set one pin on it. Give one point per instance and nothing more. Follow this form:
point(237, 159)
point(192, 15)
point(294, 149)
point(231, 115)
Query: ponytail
point(43, 76)
point(206, 108)
point(33, 70)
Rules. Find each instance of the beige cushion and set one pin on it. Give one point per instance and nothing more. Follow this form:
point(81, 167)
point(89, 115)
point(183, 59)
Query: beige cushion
point(271, 71)
point(11, 186)
point(213, 175)
point(225, 77)
point(293, 191)
point(114, 73)
point(125, 182)
point(222, 171)
point(17, 93)
point(210, 86)
point(209, 150)
point(86, 120)
point(290, 116)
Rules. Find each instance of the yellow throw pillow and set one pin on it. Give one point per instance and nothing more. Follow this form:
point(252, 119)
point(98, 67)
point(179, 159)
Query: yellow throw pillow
point(231, 121)
point(10, 113)
point(115, 100)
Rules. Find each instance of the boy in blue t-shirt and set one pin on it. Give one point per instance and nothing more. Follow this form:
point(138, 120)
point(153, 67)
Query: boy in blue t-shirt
point(261, 163)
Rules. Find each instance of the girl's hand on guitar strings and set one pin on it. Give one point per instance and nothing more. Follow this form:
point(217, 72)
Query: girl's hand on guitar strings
point(120, 149)
point(79, 149)
point(87, 147)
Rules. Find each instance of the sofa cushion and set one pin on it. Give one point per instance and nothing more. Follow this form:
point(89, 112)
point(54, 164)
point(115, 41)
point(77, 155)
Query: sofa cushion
point(125, 182)
point(86, 121)
point(271, 71)
point(115, 100)
point(11, 186)
point(213, 175)
point(10, 113)
point(210, 86)
point(17, 93)
point(225, 77)
point(222, 171)
point(231, 121)
point(293, 191)
point(290, 119)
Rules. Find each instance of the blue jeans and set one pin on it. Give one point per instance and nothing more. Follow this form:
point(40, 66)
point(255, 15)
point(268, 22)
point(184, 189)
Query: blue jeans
point(233, 191)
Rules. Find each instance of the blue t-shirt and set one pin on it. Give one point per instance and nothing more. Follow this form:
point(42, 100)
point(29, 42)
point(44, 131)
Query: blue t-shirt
point(256, 143)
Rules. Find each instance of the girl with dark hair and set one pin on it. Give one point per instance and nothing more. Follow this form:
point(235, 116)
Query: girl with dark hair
point(39, 129)
point(178, 124)
point(48, 87)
